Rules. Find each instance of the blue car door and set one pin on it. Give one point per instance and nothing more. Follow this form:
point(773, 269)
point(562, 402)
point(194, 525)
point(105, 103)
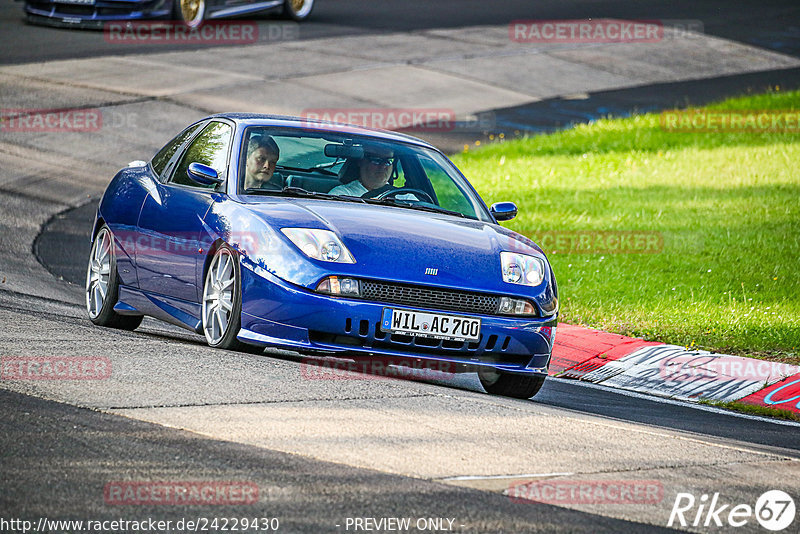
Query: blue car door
point(171, 220)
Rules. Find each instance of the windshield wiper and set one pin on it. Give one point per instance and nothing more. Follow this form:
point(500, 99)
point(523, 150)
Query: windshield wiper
point(422, 207)
point(319, 170)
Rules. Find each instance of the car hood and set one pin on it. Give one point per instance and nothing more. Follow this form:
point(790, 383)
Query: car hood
point(404, 245)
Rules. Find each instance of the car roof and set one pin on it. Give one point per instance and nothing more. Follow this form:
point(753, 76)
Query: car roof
point(257, 119)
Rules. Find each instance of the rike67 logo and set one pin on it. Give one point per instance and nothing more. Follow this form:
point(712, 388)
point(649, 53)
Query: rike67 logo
point(774, 510)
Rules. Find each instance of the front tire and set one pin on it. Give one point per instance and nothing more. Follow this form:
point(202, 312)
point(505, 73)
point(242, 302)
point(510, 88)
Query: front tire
point(102, 285)
point(222, 300)
point(509, 384)
point(298, 10)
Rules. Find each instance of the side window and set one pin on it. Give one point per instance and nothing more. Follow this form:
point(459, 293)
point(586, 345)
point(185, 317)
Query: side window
point(210, 148)
point(448, 194)
point(400, 181)
point(163, 156)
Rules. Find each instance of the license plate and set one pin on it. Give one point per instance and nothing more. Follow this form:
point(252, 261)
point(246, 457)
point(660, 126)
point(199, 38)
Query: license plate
point(78, 2)
point(433, 325)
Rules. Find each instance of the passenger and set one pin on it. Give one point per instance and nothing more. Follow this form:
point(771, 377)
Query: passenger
point(374, 171)
point(262, 156)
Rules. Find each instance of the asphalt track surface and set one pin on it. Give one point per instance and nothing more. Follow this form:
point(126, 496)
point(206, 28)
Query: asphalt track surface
point(57, 457)
point(306, 495)
point(773, 24)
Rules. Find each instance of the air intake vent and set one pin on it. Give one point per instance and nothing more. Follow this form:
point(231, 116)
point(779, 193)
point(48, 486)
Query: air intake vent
point(432, 298)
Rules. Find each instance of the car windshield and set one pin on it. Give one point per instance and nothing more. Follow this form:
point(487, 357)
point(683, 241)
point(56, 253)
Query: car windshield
point(347, 167)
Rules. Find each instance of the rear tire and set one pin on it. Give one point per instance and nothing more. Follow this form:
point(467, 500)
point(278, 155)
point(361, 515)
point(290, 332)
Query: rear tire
point(190, 13)
point(510, 385)
point(298, 10)
point(102, 285)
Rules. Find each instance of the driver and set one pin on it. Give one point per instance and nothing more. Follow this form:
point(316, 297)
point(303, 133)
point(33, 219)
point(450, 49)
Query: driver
point(374, 171)
point(262, 156)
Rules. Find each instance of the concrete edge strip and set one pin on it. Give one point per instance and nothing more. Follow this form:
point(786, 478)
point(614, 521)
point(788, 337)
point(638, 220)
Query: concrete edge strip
point(670, 371)
point(702, 407)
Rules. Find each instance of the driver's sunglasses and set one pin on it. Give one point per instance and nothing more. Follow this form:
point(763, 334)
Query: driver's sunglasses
point(385, 162)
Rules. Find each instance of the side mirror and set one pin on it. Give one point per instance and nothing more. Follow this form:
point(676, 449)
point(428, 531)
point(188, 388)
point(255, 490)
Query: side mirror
point(504, 211)
point(203, 175)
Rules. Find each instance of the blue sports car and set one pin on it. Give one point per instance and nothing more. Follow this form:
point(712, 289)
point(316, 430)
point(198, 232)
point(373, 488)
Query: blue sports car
point(326, 239)
point(191, 13)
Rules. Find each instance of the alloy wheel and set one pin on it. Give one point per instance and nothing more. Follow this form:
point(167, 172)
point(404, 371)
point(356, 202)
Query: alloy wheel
point(218, 296)
point(98, 274)
point(192, 12)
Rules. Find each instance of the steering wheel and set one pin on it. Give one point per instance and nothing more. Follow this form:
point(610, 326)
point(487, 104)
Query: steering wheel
point(419, 193)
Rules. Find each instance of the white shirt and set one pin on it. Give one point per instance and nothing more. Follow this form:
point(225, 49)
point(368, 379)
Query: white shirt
point(351, 189)
point(357, 189)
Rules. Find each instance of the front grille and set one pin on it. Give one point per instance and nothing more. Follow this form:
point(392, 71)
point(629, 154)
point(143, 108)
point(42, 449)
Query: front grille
point(433, 298)
point(68, 9)
point(120, 8)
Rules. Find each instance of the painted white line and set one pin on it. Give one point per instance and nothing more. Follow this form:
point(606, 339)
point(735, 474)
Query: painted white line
point(501, 477)
point(686, 404)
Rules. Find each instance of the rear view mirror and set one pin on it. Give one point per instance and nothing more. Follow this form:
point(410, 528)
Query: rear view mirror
point(504, 211)
point(203, 174)
point(344, 151)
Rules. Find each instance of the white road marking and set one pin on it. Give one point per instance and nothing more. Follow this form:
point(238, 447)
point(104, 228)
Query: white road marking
point(501, 477)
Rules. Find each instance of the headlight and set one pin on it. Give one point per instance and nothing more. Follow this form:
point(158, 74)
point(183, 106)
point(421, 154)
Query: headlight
point(319, 244)
point(522, 269)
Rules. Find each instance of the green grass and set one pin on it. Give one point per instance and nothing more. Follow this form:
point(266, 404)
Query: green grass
point(727, 206)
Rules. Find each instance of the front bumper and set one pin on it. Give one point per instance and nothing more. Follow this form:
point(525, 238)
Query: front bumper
point(94, 16)
point(277, 313)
